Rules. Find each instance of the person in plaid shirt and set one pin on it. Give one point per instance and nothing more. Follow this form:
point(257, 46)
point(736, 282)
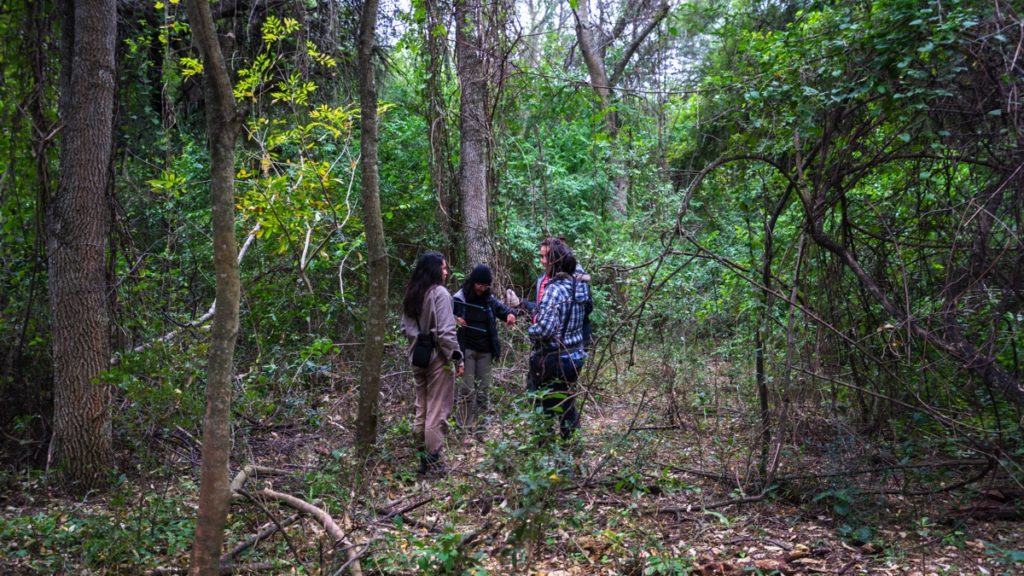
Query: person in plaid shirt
point(557, 334)
point(533, 307)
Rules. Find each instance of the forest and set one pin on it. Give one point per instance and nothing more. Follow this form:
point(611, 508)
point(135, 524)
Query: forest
point(799, 226)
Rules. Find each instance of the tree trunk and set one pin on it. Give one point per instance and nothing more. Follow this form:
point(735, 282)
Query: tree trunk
point(602, 88)
point(373, 226)
point(593, 49)
point(437, 123)
point(77, 225)
point(474, 128)
point(222, 125)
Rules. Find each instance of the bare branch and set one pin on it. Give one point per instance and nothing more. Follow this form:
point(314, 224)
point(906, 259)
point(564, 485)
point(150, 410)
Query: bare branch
point(620, 67)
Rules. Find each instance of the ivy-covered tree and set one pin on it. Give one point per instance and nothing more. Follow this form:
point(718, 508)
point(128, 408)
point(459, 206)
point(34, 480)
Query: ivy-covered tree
point(472, 44)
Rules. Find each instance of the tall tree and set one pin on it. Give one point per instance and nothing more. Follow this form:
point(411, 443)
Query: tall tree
point(642, 18)
point(373, 227)
point(222, 126)
point(435, 42)
point(77, 228)
point(474, 127)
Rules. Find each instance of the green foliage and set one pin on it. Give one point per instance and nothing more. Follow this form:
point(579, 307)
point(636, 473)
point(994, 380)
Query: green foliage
point(1010, 560)
point(882, 102)
point(27, 109)
point(162, 389)
point(667, 566)
point(841, 500)
point(441, 554)
point(137, 530)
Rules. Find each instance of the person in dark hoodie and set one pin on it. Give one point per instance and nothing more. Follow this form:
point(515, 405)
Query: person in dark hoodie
point(477, 312)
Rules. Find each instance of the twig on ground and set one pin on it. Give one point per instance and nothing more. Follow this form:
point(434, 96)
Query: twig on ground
point(696, 472)
point(262, 534)
point(666, 427)
point(389, 514)
point(280, 527)
point(354, 557)
point(224, 570)
point(705, 508)
point(468, 538)
point(991, 465)
point(889, 468)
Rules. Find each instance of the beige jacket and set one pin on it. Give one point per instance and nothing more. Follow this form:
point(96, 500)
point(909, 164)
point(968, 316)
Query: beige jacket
point(437, 318)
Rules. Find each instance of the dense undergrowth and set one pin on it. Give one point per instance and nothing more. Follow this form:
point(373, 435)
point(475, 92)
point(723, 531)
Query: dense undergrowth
point(665, 479)
point(774, 389)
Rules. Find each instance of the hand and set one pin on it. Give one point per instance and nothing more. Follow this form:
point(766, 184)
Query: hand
point(511, 319)
point(459, 369)
point(460, 320)
point(511, 298)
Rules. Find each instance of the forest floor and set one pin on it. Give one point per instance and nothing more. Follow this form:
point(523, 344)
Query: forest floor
point(657, 484)
point(663, 480)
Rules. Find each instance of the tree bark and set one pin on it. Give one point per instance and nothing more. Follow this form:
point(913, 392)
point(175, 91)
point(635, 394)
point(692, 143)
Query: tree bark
point(594, 59)
point(78, 222)
point(373, 227)
point(222, 125)
point(474, 127)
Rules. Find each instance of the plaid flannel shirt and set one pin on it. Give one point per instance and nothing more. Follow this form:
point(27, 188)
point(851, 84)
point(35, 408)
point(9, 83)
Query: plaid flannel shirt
point(560, 299)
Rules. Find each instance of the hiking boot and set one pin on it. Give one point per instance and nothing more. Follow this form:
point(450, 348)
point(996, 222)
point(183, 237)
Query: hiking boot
point(432, 467)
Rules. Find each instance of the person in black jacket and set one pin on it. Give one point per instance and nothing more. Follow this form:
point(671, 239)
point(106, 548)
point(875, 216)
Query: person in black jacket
point(476, 313)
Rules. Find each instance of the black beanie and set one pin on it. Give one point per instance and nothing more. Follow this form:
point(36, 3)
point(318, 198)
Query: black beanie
point(480, 275)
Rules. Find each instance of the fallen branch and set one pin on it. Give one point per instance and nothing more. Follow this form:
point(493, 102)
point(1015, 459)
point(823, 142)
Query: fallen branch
point(321, 516)
point(711, 475)
point(224, 570)
point(247, 568)
point(246, 472)
point(470, 537)
point(653, 428)
point(353, 557)
point(984, 472)
point(389, 514)
point(707, 508)
point(889, 468)
point(284, 534)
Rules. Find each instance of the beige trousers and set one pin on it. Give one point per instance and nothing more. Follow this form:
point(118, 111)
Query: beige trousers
point(435, 394)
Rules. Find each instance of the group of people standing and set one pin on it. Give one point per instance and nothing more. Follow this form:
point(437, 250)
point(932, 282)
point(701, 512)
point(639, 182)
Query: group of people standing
point(463, 328)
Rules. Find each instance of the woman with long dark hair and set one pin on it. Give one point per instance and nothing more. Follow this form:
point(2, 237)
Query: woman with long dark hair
point(427, 309)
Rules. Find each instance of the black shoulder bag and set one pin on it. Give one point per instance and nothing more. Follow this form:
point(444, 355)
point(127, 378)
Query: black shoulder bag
point(423, 349)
